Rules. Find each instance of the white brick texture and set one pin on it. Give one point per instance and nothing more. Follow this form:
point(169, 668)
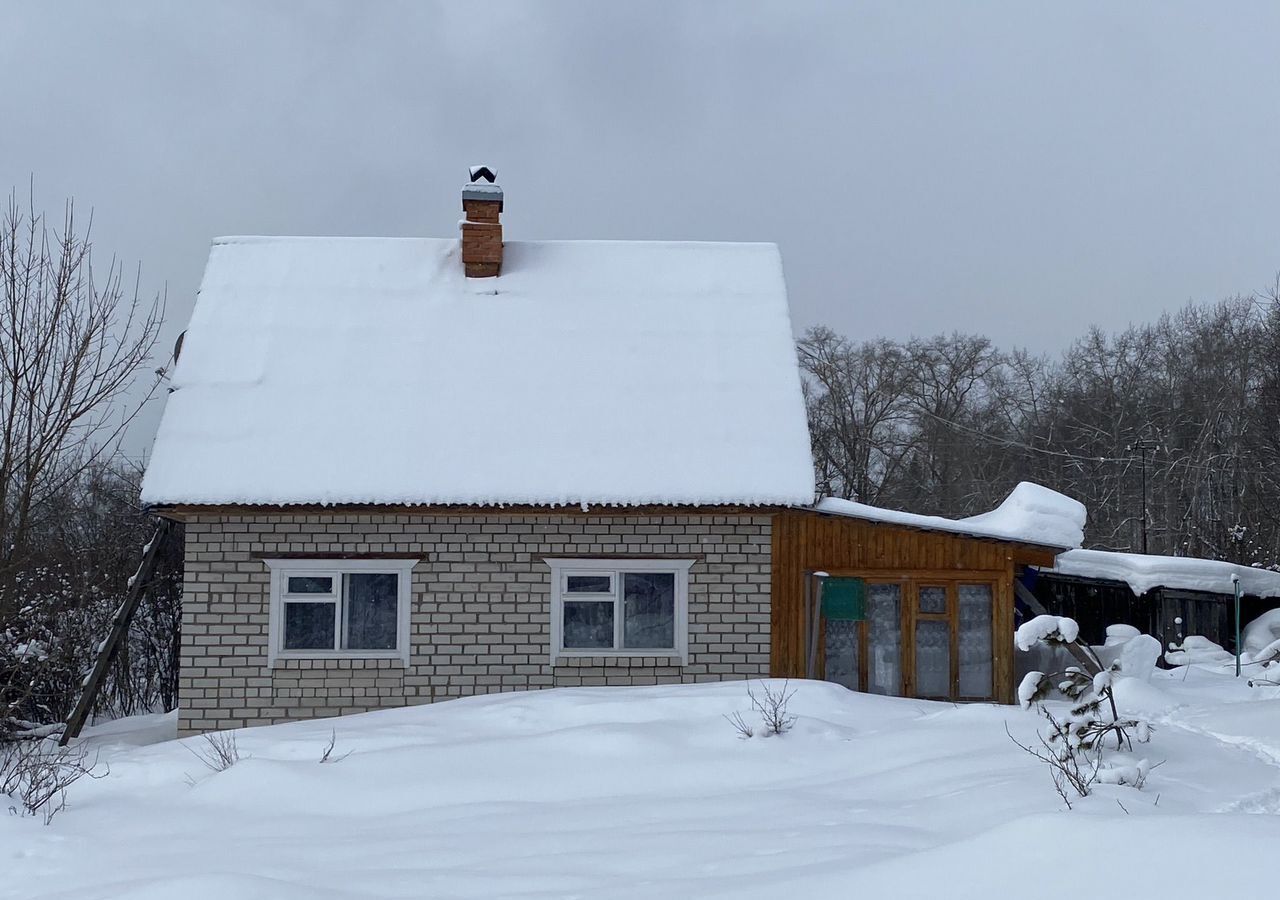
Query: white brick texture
point(480, 621)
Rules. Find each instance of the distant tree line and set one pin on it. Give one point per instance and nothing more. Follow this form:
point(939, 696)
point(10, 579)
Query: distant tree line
point(947, 425)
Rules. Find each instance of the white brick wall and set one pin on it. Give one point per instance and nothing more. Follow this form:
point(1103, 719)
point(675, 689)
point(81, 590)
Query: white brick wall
point(480, 618)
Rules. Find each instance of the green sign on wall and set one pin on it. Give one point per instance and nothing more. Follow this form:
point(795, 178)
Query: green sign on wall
point(844, 598)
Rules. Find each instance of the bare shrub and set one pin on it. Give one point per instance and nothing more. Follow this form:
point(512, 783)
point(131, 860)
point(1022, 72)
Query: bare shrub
point(37, 774)
point(741, 726)
point(772, 706)
point(56, 610)
point(219, 751)
point(327, 756)
point(1076, 768)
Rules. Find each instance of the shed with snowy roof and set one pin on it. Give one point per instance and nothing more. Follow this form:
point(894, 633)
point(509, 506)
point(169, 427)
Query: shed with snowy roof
point(910, 605)
point(1170, 597)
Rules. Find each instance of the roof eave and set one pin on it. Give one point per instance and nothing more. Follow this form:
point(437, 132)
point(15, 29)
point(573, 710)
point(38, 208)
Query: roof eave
point(1030, 545)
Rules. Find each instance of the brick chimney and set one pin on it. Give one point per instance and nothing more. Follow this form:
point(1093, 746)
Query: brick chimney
point(481, 230)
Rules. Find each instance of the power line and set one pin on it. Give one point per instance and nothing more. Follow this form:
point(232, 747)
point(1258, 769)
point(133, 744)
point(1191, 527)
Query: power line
point(1075, 457)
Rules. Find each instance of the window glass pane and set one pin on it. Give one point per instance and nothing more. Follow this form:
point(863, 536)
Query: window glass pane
point(842, 652)
point(933, 658)
point(589, 584)
point(308, 626)
point(588, 624)
point(974, 640)
point(884, 639)
point(649, 610)
point(309, 584)
point(933, 600)
point(371, 611)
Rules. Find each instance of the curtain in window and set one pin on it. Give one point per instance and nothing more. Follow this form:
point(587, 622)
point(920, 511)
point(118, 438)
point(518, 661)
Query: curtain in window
point(974, 640)
point(933, 658)
point(842, 652)
point(884, 639)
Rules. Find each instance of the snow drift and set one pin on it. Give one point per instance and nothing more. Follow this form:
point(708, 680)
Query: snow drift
point(1031, 514)
point(635, 793)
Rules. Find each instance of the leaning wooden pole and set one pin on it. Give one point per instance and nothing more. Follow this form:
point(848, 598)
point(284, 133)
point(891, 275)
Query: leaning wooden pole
point(1077, 648)
point(119, 630)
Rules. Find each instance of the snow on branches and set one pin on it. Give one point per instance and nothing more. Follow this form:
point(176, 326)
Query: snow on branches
point(1073, 744)
point(1050, 629)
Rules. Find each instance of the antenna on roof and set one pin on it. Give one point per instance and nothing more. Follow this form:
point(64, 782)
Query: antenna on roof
point(478, 172)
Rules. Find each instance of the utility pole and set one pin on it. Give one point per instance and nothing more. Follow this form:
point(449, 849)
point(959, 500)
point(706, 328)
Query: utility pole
point(1142, 446)
point(1235, 589)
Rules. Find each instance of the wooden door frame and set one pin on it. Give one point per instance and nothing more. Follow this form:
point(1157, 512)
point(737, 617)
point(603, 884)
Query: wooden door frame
point(913, 616)
point(909, 614)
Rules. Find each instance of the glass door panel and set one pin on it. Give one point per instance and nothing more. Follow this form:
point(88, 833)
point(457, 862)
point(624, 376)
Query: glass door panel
point(842, 664)
point(933, 658)
point(884, 639)
point(933, 599)
point(974, 641)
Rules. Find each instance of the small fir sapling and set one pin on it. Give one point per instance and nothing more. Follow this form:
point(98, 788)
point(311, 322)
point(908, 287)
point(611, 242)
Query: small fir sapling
point(1261, 650)
point(1268, 662)
point(1073, 744)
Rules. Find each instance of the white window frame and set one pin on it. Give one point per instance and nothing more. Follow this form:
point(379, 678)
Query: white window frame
point(561, 568)
point(333, 595)
point(281, 569)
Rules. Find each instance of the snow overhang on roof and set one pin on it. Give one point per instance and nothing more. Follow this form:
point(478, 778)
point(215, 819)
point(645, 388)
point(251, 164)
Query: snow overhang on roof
point(1031, 514)
point(1144, 572)
point(371, 371)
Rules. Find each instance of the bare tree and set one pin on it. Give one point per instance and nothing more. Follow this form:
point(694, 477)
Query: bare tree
point(71, 346)
point(950, 394)
point(906, 424)
point(858, 415)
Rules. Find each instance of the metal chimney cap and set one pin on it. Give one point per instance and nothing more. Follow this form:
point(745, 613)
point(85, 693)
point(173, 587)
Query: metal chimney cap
point(478, 172)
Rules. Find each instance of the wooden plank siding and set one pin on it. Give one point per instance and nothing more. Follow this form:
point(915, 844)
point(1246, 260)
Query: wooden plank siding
point(806, 541)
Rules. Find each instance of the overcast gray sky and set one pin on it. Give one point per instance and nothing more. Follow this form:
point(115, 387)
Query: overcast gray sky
point(1016, 169)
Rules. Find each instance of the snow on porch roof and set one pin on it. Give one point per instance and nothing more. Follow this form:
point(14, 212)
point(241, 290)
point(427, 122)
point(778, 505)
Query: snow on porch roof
point(1031, 514)
point(370, 370)
point(1145, 572)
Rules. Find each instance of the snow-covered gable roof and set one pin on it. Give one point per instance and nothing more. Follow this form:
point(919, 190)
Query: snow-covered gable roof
point(1031, 514)
point(1145, 572)
point(370, 370)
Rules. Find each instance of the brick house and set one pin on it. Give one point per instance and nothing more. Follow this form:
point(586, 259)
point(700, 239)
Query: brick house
point(415, 469)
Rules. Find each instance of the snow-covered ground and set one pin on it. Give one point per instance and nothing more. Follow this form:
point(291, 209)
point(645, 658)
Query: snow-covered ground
point(648, 792)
